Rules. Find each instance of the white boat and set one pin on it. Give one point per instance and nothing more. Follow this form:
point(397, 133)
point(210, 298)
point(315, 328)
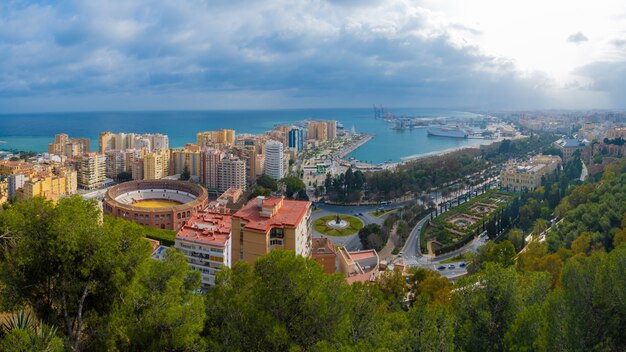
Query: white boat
point(452, 132)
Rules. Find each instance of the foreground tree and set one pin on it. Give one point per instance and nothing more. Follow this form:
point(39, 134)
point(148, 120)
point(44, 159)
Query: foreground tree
point(161, 310)
point(64, 263)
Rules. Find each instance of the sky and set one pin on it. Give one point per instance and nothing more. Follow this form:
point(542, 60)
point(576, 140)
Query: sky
point(93, 55)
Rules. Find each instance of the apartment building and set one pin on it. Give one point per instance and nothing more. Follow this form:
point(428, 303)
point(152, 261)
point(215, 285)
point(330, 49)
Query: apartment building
point(69, 147)
point(151, 142)
point(205, 240)
point(210, 159)
point(274, 163)
point(156, 165)
point(8, 167)
point(15, 182)
point(265, 224)
point(215, 138)
point(187, 157)
point(91, 169)
point(317, 130)
point(232, 173)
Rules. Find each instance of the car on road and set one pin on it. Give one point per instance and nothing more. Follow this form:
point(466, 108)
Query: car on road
point(462, 265)
point(359, 214)
point(451, 266)
point(441, 267)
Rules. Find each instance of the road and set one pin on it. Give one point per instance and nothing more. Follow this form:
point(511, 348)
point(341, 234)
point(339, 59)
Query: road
point(411, 252)
point(584, 173)
point(352, 242)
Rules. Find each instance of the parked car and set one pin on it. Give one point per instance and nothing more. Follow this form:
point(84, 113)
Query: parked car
point(441, 267)
point(451, 266)
point(462, 265)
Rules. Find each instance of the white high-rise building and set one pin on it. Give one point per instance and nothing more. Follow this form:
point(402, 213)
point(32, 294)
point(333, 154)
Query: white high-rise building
point(274, 160)
point(16, 181)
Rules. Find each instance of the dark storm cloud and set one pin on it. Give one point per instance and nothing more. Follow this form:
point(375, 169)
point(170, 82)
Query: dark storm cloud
point(339, 52)
point(607, 77)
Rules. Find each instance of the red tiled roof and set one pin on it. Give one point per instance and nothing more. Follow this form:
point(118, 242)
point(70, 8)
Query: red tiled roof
point(207, 228)
point(322, 245)
point(362, 254)
point(288, 215)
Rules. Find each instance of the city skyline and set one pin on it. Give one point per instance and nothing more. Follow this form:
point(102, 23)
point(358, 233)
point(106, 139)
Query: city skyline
point(65, 56)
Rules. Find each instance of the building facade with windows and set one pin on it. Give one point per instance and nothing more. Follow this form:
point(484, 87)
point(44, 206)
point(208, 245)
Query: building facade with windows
point(91, 169)
point(210, 159)
point(274, 163)
point(527, 176)
point(205, 240)
point(265, 224)
point(232, 173)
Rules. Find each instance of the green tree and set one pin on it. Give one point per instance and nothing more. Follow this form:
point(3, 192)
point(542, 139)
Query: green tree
point(485, 305)
point(432, 327)
point(161, 309)
point(267, 182)
point(293, 185)
point(260, 191)
point(66, 266)
point(286, 294)
point(185, 175)
point(501, 253)
point(20, 332)
point(516, 236)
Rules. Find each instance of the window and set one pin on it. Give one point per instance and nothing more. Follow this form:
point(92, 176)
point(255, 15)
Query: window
point(276, 242)
point(277, 232)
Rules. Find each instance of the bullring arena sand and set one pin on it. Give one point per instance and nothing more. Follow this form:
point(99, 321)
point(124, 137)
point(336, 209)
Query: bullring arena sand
point(155, 203)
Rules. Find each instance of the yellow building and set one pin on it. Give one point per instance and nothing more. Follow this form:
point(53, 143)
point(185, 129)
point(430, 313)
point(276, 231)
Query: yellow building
point(188, 157)
point(331, 129)
point(156, 165)
point(8, 167)
point(263, 225)
point(527, 176)
point(317, 130)
point(106, 142)
point(211, 138)
point(66, 146)
point(49, 185)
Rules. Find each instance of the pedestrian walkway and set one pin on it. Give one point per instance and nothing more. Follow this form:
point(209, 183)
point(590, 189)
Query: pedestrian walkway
point(387, 251)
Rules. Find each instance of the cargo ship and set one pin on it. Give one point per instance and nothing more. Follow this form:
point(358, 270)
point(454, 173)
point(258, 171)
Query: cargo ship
point(451, 132)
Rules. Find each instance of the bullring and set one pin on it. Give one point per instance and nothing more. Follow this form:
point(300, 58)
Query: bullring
point(164, 204)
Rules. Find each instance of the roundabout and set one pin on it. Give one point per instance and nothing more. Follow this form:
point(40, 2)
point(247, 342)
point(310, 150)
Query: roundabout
point(338, 225)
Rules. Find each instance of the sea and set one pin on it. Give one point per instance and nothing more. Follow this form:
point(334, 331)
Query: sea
point(33, 131)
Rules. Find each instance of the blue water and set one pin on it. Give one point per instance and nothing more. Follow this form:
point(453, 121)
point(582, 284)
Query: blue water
point(34, 131)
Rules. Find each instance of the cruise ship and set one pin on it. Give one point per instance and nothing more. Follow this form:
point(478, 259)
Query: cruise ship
point(452, 132)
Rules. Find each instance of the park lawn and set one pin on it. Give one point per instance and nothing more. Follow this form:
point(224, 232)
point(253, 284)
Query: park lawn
point(354, 226)
point(437, 230)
